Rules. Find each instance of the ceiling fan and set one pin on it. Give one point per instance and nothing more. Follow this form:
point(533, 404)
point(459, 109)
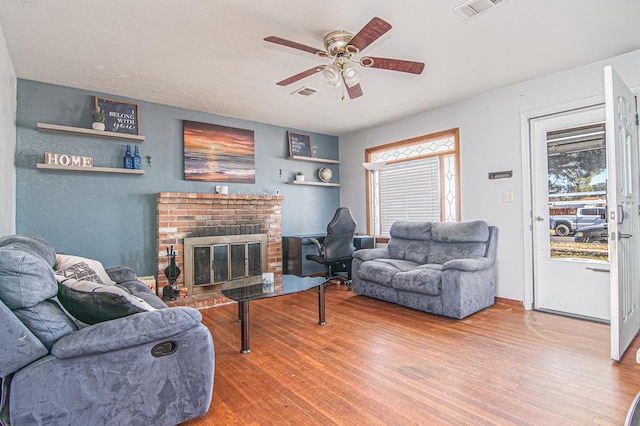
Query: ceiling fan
point(342, 47)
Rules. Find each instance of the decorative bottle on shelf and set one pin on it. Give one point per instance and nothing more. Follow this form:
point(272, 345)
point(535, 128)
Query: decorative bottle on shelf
point(128, 159)
point(137, 161)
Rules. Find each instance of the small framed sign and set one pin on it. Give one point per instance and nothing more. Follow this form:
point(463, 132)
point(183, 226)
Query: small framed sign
point(119, 116)
point(299, 144)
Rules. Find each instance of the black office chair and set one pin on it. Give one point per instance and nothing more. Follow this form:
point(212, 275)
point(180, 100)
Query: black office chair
point(336, 250)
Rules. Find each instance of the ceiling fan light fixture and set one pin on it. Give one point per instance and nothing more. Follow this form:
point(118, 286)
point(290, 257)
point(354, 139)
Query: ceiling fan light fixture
point(351, 75)
point(336, 42)
point(331, 74)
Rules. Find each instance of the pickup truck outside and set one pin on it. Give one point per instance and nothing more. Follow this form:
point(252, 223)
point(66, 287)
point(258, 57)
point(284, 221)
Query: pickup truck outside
point(565, 225)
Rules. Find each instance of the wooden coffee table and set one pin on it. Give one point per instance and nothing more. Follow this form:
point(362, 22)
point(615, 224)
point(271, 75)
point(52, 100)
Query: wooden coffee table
point(290, 284)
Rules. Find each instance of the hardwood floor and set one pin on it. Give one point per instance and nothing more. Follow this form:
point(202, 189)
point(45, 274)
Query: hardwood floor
point(376, 363)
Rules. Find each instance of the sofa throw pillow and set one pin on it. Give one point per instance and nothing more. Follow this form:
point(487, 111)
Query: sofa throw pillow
point(80, 269)
point(92, 302)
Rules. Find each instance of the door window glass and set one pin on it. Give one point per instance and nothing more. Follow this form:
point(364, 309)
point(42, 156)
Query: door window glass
point(577, 184)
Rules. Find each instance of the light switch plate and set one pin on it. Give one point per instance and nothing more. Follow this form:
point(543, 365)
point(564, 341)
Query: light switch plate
point(507, 197)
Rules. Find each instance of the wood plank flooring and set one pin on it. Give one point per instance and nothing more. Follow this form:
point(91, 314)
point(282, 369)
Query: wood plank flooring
point(376, 363)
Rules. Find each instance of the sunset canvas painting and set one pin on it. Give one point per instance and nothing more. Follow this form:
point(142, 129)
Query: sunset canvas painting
point(218, 154)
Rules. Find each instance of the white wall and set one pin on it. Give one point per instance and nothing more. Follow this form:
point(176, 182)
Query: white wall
point(490, 140)
point(7, 141)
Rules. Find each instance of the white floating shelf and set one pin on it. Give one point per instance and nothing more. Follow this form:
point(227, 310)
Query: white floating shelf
point(314, 159)
point(313, 183)
point(56, 128)
point(42, 166)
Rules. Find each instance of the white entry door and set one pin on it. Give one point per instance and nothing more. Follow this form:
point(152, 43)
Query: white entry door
point(568, 178)
point(623, 188)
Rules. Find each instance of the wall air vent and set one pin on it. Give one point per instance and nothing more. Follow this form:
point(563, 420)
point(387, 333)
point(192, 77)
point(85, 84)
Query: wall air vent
point(304, 91)
point(472, 8)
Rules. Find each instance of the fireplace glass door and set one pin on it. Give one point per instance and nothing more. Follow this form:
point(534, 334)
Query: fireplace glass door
point(234, 263)
point(219, 264)
point(201, 269)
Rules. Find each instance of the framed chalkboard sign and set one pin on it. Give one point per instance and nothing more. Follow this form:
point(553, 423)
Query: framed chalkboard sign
point(299, 144)
point(119, 116)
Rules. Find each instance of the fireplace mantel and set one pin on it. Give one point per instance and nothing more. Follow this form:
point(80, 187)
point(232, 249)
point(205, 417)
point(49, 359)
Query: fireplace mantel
point(188, 214)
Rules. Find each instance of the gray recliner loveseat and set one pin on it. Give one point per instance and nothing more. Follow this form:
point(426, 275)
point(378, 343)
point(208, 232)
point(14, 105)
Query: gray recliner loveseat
point(151, 366)
point(444, 268)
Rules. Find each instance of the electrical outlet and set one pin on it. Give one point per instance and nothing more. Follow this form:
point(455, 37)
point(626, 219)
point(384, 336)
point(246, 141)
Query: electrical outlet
point(507, 197)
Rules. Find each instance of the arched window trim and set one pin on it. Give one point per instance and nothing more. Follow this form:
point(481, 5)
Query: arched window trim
point(418, 148)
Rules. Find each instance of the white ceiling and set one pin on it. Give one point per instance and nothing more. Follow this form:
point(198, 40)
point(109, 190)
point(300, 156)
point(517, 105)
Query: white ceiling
point(209, 55)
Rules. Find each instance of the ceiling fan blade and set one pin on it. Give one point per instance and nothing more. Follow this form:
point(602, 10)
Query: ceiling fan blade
point(370, 33)
point(294, 45)
point(300, 76)
point(354, 91)
point(392, 64)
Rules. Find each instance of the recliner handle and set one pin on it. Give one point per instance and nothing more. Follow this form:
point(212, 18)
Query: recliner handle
point(164, 349)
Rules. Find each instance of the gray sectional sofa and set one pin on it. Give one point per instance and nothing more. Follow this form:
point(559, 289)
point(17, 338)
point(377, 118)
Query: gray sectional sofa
point(438, 267)
point(122, 358)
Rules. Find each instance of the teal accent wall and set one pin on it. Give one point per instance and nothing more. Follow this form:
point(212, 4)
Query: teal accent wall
point(112, 217)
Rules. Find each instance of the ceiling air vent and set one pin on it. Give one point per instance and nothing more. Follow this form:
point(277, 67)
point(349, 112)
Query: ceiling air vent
point(473, 8)
point(304, 91)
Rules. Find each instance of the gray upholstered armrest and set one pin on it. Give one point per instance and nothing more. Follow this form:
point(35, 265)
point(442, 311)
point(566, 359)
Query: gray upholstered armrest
point(121, 274)
point(135, 287)
point(125, 332)
point(143, 292)
point(370, 254)
point(473, 264)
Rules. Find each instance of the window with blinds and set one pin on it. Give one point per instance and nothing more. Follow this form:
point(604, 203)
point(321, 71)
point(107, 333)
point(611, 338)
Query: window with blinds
point(410, 191)
point(418, 180)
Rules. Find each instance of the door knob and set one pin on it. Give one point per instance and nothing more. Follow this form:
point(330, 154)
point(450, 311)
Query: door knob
point(540, 218)
point(621, 235)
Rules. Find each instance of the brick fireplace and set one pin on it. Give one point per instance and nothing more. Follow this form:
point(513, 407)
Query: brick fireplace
point(184, 214)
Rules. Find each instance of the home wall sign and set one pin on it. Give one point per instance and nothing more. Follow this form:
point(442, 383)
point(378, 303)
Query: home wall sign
point(299, 144)
point(67, 160)
point(119, 116)
point(215, 153)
